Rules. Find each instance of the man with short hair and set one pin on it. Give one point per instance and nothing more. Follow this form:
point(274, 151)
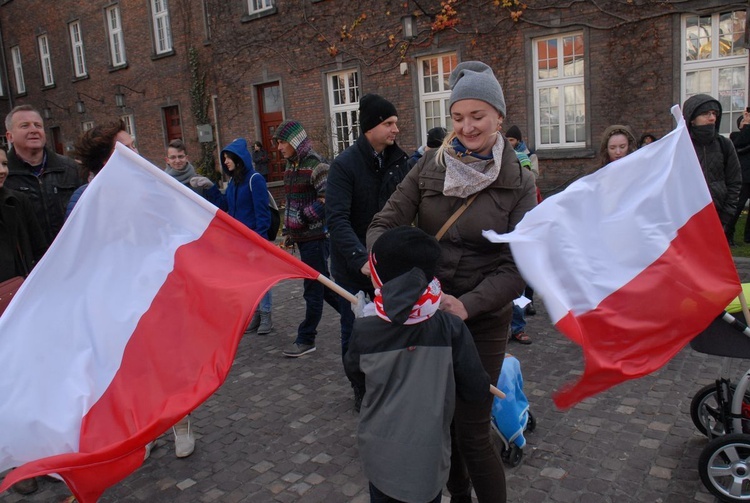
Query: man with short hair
point(46, 178)
point(178, 165)
point(305, 180)
point(716, 154)
point(361, 180)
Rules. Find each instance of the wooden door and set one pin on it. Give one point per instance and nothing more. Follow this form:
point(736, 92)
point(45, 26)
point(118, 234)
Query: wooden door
point(269, 109)
point(172, 123)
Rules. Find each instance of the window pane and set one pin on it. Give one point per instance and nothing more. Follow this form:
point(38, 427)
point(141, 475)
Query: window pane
point(547, 58)
point(732, 34)
point(271, 99)
point(573, 56)
point(698, 82)
point(353, 87)
point(697, 37)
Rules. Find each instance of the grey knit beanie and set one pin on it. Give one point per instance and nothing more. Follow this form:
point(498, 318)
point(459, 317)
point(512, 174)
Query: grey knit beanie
point(473, 80)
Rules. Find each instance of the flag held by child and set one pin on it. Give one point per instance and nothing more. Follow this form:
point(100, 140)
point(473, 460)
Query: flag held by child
point(631, 262)
point(129, 322)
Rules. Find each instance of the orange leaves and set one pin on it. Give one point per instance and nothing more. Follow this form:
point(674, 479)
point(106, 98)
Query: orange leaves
point(447, 17)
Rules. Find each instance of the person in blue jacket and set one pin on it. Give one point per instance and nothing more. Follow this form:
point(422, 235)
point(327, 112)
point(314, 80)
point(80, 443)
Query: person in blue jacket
point(245, 199)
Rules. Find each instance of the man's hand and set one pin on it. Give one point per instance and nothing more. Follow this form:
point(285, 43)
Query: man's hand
point(366, 269)
point(452, 305)
point(201, 182)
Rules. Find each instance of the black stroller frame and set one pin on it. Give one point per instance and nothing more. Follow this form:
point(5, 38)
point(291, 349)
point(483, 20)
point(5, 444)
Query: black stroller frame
point(721, 411)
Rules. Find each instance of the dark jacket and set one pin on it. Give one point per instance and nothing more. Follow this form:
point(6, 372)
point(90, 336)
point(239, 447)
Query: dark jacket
point(260, 162)
point(50, 192)
point(481, 274)
point(412, 374)
point(357, 190)
point(717, 157)
point(741, 141)
point(248, 206)
point(22, 241)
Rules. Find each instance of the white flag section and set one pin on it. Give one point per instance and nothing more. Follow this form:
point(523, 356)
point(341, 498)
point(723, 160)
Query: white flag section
point(631, 261)
point(129, 322)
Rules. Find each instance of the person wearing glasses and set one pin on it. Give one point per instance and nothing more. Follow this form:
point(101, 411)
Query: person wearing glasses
point(716, 154)
point(178, 165)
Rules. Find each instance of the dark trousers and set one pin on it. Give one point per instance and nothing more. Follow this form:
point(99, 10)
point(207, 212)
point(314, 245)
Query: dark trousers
point(474, 457)
point(315, 254)
point(347, 316)
point(376, 496)
point(744, 196)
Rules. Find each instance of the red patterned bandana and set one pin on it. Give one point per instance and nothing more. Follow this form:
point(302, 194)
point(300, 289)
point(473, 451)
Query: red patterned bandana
point(427, 304)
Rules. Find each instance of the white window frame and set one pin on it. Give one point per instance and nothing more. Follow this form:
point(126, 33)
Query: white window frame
point(45, 59)
point(76, 45)
point(162, 30)
point(443, 65)
point(85, 126)
point(129, 121)
point(15, 52)
point(560, 84)
point(344, 113)
point(710, 74)
point(116, 38)
point(258, 6)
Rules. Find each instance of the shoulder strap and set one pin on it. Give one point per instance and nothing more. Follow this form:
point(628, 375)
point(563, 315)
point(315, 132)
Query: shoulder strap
point(448, 223)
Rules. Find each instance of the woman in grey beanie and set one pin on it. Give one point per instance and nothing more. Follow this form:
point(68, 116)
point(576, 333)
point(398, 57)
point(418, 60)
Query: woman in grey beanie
point(475, 168)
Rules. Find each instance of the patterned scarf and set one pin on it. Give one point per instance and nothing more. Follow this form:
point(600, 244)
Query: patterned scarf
point(426, 306)
point(467, 173)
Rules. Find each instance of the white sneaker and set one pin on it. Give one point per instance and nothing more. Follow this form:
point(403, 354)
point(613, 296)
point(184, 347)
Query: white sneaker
point(149, 446)
point(184, 441)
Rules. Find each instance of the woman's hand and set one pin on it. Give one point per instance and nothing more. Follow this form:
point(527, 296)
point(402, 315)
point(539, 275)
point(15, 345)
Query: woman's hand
point(452, 305)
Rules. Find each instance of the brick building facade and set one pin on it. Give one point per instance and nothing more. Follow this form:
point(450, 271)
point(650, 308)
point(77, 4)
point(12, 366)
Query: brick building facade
point(242, 66)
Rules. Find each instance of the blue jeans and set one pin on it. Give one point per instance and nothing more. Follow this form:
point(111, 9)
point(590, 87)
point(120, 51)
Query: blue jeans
point(376, 496)
point(265, 303)
point(518, 322)
point(315, 254)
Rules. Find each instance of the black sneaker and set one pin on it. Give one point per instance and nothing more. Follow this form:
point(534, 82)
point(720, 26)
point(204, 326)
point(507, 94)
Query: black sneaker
point(297, 350)
point(530, 309)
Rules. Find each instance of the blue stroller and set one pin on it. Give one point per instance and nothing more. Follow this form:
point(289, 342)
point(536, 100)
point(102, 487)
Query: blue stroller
point(511, 416)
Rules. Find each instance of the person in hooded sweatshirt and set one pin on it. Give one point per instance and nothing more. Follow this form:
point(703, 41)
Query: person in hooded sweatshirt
point(245, 199)
point(716, 154)
point(412, 359)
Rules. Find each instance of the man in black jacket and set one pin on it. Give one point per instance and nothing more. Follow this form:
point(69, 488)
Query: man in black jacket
point(46, 178)
point(716, 155)
point(741, 141)
point(360, 181)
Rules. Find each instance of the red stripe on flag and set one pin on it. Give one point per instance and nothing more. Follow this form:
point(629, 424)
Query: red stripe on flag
point(179, 354)
point(638, 328)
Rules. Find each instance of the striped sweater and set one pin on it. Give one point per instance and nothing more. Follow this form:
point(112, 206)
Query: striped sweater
point(305, 189)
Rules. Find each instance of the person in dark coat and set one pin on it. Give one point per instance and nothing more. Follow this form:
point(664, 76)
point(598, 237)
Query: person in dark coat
point(46, 178)
point(716, 154)
point(360, 181)
point(260, 159)
point(741, 141)
point(22, 241)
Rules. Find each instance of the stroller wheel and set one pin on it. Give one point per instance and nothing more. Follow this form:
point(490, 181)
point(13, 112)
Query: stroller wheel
point(704, 410)
point(513, 456)
point(531, 423)
point(724, 467)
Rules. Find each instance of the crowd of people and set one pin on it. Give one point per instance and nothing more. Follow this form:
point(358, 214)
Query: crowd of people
point(405, 232)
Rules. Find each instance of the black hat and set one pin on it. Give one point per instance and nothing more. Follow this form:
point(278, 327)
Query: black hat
point(706, 107)
point(514, 132)
point(397, 251)
point(374, 109)
point(435, 137)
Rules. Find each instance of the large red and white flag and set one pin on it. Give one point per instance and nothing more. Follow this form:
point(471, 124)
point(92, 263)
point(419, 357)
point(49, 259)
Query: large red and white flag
point(129, 322)
point(631, 262)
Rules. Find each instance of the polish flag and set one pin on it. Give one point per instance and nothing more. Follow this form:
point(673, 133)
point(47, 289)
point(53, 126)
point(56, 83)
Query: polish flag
point(631, 262)
point(129, 322)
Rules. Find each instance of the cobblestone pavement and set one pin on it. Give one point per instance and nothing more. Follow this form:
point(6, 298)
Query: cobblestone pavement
point(283, 430)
